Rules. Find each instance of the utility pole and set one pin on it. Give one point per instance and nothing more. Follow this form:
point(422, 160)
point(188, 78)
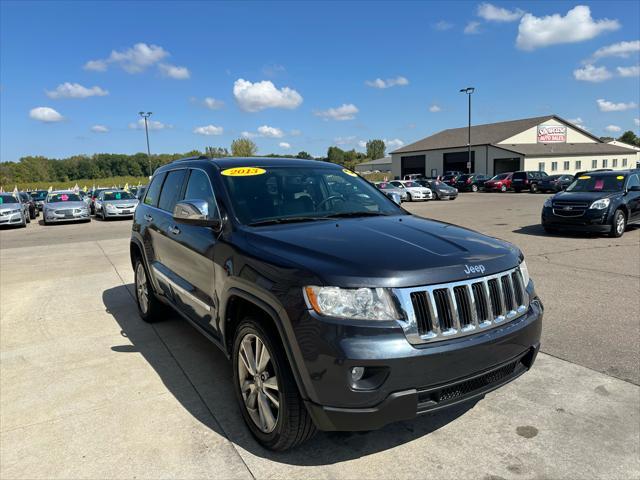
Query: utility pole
point(468, 91)
point(146, 130)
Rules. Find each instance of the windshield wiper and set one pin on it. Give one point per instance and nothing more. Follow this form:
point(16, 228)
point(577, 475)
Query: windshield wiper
point(276, 221)
point(356, 214)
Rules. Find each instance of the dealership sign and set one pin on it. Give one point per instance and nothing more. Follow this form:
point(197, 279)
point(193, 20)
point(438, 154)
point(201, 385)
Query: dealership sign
point(552, 134)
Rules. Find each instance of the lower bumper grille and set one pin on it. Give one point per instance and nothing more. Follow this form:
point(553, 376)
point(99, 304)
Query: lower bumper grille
point(440, 312)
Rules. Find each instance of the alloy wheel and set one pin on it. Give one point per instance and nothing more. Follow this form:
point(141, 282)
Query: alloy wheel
point(141, 288)
point(258, 383)
point(620, 224)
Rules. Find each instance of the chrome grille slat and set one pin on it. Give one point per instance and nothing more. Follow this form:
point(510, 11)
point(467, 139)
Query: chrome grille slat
point(444, 311)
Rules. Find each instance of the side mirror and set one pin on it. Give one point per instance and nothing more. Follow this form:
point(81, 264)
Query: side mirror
point(396, 198)
point(195, 212)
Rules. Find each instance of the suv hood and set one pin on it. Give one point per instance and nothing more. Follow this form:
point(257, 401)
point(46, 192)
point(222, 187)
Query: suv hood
point(584, 196)
point(396, 251)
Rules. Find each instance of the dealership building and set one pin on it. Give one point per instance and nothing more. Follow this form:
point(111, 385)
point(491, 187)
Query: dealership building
point(550, 144)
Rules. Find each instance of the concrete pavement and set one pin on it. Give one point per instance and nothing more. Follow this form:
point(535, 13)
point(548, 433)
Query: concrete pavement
point(87, 390)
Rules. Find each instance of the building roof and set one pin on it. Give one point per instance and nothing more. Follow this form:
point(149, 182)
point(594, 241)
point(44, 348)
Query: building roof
point(378, 161)
point(553, 149)
point(487, 134)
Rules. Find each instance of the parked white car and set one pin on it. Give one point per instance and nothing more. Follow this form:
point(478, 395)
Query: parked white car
point(414, 190)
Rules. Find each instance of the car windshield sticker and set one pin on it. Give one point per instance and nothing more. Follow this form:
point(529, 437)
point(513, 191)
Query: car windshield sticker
point(64, 197)
point(118, 196)
point(1, 200)
point(584, 177)
point(349, 172)
point(620, 177)
point(243, 172)
point(599, 184)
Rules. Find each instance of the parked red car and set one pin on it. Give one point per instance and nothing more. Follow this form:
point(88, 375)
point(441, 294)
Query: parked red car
point(501, 183)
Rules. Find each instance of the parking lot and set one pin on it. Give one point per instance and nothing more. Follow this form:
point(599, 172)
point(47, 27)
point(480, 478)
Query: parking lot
point(90, 391)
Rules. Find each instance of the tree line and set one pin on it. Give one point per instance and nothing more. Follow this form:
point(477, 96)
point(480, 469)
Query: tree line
point(107, 165)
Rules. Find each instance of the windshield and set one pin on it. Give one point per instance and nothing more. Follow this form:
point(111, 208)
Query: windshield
point(448, 177)
point(39, 195)
point(118, 196)
point(302, 193)
point(411, 184)
point(597, 183)
point(6, 198)
point(553, 177)
point(63, 197)
point(502, 176)
point(386, 186)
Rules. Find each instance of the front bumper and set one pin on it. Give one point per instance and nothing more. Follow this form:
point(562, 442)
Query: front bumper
point(591, 221)
point(12, 219)
point(118, 213)
point(421, 196)
point(407, 380)
point(53, 217)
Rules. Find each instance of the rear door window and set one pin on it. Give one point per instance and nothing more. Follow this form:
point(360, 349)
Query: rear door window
point(171, 190)
point(153, 192)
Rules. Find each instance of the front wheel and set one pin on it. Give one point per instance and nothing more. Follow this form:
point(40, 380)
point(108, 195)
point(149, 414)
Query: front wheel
point(618, 224)
point(409, 198)
point(534, 188)
point(265, 389)
point(149, 307)
point(474, 188)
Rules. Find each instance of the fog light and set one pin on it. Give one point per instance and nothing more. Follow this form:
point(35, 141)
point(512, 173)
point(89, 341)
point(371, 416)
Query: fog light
point(357, 373)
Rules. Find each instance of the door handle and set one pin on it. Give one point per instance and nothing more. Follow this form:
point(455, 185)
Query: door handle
point(174, 230)
point(148, 218)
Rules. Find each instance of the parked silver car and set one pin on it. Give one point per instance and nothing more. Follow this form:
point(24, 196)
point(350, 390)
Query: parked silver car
point(414, 190)
point(387, 189)
point(115, 203)
point(65, 206)
point(12, 210)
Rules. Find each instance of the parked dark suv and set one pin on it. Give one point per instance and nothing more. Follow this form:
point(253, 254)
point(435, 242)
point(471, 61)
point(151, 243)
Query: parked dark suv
point(338, 309)
point(471, 182)
point(595, 202)
point(527, 181)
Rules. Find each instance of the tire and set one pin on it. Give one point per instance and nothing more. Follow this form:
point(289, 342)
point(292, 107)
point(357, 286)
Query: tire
point(618, 224)
point(409, 198)
point(474, 188)
point(150, 310)
point(27, 219)
point(503, 188)
point(32, 214)
point(292, 424)
point(533, 188)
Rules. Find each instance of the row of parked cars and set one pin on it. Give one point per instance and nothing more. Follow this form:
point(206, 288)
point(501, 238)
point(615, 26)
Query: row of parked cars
point(531, 181)
point(19, 208)
point(418, 189)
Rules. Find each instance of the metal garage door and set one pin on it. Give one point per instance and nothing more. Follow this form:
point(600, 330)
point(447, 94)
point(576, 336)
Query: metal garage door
point(503, 165)
point(413, 164)
point(457, 161)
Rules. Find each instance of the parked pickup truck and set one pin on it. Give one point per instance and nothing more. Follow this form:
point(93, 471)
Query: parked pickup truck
point(338, 309)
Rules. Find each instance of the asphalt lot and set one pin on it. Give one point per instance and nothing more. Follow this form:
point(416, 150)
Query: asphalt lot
point(89, 391)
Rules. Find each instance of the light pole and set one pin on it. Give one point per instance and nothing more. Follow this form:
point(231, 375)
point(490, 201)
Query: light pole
point(146, 131)
point(468, 91)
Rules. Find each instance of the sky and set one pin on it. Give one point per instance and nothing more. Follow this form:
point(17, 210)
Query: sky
point(296, 76)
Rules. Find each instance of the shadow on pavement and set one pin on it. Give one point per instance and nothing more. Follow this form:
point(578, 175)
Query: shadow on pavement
point(174, 349)
point(537, 231)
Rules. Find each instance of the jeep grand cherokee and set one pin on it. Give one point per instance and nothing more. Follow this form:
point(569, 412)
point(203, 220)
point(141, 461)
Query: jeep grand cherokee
point(338, 309)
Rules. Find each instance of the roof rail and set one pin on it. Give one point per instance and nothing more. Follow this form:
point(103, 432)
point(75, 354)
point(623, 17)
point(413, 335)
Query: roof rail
point(200, 157)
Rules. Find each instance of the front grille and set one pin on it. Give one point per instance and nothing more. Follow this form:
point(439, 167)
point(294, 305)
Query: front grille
point(439, 312)
point(64, 211)
point(124, 206)
point(567, 208)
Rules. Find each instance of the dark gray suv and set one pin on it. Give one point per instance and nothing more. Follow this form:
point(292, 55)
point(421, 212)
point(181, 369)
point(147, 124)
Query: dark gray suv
point(338, 309)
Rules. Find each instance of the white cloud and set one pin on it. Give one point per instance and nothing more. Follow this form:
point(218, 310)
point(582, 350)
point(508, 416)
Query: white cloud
point(45, 114)
point(497, 14)
point(578, 123)
point(99, 129)
point(132, 60)
point(389, 82)
point(175, 72)
point(212, 104)
point(153, 125)
point(621, 49)
point(253, 97)
point(607, 106)
point(393, 143)
point(637, 122)
point(434, 108)
point(443, 25)
point(209, 130)
point(362, 144)
point(576, 26)
point(612, 128)
point(295, 132)
point(284, 145)
point(350, 140)
point(589, 73)
point(75, 90)
point(472, 28)
point(633, 71)
point(346, 111)
point(271, 132)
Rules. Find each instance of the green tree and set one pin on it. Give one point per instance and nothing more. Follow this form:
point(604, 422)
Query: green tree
point(630, 138)
point(304, 155)
point(375, 149)
point(243, 147)
point(335, 155)
point(216, 152)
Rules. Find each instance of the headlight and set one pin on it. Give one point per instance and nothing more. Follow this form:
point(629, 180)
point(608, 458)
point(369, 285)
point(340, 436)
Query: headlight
point(525, 273)
point(600, 204)
point(547, 202)
point(109, 206)
point(353, 303)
